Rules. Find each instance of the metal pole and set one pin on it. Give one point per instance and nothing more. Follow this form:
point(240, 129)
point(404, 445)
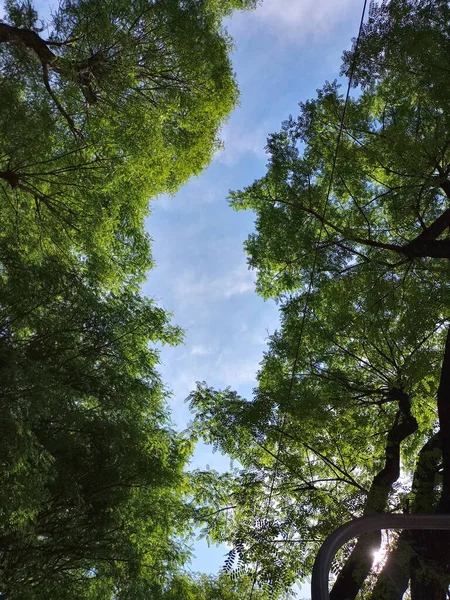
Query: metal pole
point(322, 564)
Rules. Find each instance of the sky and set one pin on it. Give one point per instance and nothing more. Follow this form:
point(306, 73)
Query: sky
point(285, 50)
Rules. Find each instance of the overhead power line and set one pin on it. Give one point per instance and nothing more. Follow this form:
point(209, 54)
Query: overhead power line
point(311, 283)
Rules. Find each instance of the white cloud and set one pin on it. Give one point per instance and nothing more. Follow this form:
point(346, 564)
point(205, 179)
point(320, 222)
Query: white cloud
point(241, 283)
point(199, 350)
point(236, 372)
point(190, 288)
point(299, 20)
point(197, 191)
point(238, 142)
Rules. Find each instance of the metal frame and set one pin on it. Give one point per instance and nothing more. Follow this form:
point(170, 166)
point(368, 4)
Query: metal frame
point(322, 564)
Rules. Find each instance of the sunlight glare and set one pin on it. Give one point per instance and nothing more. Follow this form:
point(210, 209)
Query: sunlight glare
point(378, 557)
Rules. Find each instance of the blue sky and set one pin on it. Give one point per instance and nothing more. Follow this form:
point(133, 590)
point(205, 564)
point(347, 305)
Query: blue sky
point(285, 50)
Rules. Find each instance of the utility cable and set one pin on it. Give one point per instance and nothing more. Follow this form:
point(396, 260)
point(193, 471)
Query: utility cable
point(310, 283)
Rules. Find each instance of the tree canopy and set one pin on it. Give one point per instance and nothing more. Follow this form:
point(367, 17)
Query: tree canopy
point(102, 107)
point(351, 412)
point(107, 104)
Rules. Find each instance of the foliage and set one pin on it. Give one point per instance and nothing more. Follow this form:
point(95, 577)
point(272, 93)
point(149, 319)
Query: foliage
point(205, 587)
point(117, 103)
point(92, 474)
point(102, 108)
point(355, 249)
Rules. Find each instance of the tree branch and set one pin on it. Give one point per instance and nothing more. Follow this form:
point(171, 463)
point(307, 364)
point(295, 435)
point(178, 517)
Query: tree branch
point(359, 563)
point(30, 41)
point(58, 105)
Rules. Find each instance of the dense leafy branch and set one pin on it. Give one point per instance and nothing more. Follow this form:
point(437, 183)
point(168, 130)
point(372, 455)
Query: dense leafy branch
point(120, 102)
point(365, 388)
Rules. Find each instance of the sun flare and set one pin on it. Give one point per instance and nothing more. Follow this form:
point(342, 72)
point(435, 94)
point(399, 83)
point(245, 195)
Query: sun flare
point(378, 557)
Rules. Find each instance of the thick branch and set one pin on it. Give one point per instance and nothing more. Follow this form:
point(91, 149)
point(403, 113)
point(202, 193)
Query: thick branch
point(438, 226)
point(30, 41)
point(81, 72)
point(359, 563)
point(424, 245)
point(11, 177)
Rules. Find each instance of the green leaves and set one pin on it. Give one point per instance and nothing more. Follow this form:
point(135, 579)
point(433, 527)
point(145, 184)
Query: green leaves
point(115, 104)
point(119, 104)
point(89, 459)
point(355, 252)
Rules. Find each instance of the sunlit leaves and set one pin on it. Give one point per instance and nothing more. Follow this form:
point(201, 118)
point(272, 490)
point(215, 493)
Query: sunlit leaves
point(103, 107)
point(355, 251)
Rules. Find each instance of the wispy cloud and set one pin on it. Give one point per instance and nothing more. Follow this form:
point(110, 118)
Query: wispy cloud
point(198, 191)
point(299, 20)
point(236, 370)
point(238, 141)
point(199, 350)
point(190, 288)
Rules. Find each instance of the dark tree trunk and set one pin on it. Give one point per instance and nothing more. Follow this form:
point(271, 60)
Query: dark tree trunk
point(429, 565)
point(359, 563)
point(443, 401)
point(432, 561)
point(424, 542)
point(393, 579)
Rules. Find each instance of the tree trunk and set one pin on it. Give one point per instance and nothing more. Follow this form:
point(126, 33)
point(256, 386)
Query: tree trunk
point(424, 542)
point(443, 401)
point(432, 562)
point(393, 579)
point(359, 563)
